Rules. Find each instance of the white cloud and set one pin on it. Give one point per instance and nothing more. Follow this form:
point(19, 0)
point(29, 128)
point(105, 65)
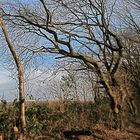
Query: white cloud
point(36, 82)
point(7, 86)
point(40, 80)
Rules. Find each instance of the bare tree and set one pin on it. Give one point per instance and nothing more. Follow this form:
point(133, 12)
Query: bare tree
point(131, 62)
point(131, 39)
point(81, 81)
point(20, 78)
point(128, 15)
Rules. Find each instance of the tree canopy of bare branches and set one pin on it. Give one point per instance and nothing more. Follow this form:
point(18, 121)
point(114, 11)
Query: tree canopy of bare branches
point(75, 29)
point(90, 31)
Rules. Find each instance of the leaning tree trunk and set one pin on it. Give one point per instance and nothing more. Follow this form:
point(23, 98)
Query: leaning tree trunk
point(20, 78)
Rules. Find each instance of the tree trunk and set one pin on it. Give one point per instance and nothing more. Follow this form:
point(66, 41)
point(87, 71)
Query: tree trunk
point(22, 99)
point(20, 78)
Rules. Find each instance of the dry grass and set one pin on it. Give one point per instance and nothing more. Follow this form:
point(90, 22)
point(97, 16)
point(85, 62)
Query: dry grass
point(102, 132)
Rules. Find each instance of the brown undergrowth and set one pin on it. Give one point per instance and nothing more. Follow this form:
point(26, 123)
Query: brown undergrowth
point(46, 120)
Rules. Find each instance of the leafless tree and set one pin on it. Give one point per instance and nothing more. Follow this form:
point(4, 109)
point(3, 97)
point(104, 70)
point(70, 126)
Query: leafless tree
point(129, 30)
point(131, 35)
point(81, 81)
point(20, 77)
